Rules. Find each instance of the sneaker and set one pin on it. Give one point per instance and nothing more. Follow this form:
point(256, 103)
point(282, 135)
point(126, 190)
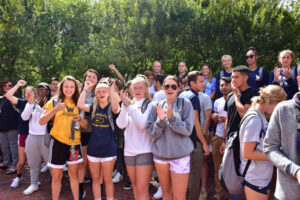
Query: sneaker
point(114, 172)
point(203, 195)
point(44, 169)
point(31, 189)
point(82, 194)
point(39, 183)
point(117, 178)
point(87, 180)
point(15, 182)
point(158, 193)
point(128, 186)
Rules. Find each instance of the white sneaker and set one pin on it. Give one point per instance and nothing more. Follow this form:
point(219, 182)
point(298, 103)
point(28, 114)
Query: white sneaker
point(158, 193)
point(15, 182)
point(65, 168)
point(44, 169)
point(117, 178)
point(114, 172)
point(31, 189)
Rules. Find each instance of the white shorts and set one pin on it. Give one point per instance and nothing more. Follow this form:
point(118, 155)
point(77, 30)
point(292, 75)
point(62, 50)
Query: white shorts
point(101, 160)
point(179, 166)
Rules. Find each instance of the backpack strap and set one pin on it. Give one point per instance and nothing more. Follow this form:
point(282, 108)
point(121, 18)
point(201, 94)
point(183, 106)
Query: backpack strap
point(110, 117)
point(145, 105)
point(253, 113)
point(50, 123)
point(221, 73)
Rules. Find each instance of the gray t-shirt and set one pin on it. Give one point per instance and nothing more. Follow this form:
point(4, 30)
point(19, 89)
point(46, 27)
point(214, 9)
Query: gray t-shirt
point(259, 172)
point(205, 104)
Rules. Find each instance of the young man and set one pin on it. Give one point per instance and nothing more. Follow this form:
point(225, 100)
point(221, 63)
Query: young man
point(156, 67)
point(282, 147)
point(219, 118)
point(196, 83)
point(237, 103)
point(158, 83)
point(54, 85)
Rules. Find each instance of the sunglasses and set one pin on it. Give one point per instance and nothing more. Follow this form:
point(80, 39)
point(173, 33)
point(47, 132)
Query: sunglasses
point(7, 85)
point(174, 87)
point(251, 56)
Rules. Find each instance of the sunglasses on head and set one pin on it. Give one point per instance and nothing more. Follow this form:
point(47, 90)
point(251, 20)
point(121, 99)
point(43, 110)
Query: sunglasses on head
point(174, 87)
point(251, 56)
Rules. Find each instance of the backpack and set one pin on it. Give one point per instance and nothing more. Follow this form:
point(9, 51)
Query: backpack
point(189, 95)
point(229, 175)
point(47, 136)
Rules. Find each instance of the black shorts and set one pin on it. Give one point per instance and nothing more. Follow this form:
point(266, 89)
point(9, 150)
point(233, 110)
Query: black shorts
point(60, 154)
point(85, 137)
point(262, 190)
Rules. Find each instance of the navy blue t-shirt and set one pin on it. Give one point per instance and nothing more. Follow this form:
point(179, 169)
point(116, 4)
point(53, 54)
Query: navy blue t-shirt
point(23, 126)
point(255, 80)
point(8, 115)
point(102, 142)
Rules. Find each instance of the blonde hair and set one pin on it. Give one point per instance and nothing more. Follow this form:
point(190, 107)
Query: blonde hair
point(286, 51)
point(270, 94)
point(96, 101)
point(142, 78)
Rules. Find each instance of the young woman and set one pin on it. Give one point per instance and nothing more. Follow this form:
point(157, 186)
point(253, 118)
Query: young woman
point(35, 149)
point(252, 132)
point(182, 71)
point(210, 81)
point(22, 126)
point(170, 124)
point(258, 76)
point(65, 145)
point(285, 75)
point(102, 146)
point(226, 62)
point(138, 143)
point(92, 77)
point(9, 116)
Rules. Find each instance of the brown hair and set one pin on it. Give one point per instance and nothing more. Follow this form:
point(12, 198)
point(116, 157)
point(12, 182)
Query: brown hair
point(192, 76)
point(85, 75)
point(286, 51)
point(270, 94)
point(61, 94)
point(210, 76)
point(174, 78)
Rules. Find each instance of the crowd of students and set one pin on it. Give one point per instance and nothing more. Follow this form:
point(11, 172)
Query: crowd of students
point(159, 125)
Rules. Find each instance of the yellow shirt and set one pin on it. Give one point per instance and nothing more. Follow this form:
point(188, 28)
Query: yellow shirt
point(61, 129)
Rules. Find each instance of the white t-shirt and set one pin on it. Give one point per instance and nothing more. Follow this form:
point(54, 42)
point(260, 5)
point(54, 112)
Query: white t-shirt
point(152, 90)
point(160, 95)
point(259, 172)
point(33, 112)
point(219, 108)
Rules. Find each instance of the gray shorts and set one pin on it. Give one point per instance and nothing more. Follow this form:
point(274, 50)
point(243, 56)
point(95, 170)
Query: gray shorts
point(140, 159)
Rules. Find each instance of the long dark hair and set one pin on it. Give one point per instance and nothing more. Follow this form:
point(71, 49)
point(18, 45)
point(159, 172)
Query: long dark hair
point(85, 75)
point(61, 94)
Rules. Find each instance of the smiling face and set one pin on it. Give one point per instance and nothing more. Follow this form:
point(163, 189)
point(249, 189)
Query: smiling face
point(91, 77)
point(7, 86)
point(226, 62)
point(69, 88)
point(169, 89)
point(205, 70)
point(42, 91)
point(102, 92)
point(225, 88)
point(139, 90)
point(285, 59)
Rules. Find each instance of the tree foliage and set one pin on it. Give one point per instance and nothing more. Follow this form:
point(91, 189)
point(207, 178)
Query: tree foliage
point(40, 39)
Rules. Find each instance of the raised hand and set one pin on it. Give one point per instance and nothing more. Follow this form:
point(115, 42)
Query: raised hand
point(88, 85)
point(169, 112)
point(112, 67)
point(124, 98)
point(31, 98)
point(287, 72)
point(160, 113)
point(60, 106)
point(21, 83)
point(276, 73)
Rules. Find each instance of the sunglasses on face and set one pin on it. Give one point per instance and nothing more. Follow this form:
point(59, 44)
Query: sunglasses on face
point(7, 85)
point(174, 87)
point(251, 56)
